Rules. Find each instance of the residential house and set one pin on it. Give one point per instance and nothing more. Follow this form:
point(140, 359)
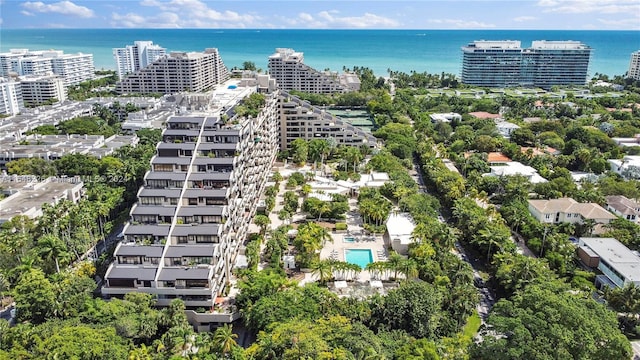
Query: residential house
point(624, 207)
point(567, 210)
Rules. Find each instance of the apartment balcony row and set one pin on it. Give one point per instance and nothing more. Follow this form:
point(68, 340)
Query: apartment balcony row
point(176, 180)
point(158, 214)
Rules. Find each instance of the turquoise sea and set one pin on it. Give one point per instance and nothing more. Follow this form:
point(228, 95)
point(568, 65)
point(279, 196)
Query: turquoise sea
point(433, 51)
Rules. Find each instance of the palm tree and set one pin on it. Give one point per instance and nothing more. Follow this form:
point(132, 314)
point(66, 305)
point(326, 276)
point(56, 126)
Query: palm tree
point(323, 269)
point(51, 248)
point(353, 156)
point(393, 263)
point(490, 236)
point(409, 268)
point(224, 339)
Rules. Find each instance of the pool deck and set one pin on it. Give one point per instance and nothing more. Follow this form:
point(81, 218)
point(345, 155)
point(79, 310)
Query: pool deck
point(375, 243)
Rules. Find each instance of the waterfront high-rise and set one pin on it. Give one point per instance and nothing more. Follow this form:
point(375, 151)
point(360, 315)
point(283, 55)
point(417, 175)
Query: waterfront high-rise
point(132, 58)
point(634, 66)
point(507, 64)
point(197, 202)
point(291, 73)
point(74, 68)
point(177, 72)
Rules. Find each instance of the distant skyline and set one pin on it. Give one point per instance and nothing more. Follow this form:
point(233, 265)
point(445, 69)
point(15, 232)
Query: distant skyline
point(324, 14)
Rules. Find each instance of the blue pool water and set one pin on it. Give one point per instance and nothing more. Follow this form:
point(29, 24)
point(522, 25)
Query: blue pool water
point(360, 257)
point(349, 239)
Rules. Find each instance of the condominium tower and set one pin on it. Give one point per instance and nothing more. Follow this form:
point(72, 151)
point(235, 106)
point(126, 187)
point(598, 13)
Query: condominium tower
point(196, 204)
point(507, 64)
point(10, 97)
point(301, 120)
point(74, 68)
point(177, 72)
point(132, 58)
point(291, 73)
point(634, 66)
point(40, 89)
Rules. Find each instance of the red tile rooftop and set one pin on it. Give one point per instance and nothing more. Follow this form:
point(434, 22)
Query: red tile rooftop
point(484, 115)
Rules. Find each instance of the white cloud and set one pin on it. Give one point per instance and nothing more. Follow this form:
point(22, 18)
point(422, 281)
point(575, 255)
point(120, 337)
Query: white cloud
point(26, 13)
point(625, 24)
point(62, 7)
point(164, 20)
point(525, 18)
point(305, 17)
point(591, 6)
point(186, 14)
point(332, 19)
point(461, 24)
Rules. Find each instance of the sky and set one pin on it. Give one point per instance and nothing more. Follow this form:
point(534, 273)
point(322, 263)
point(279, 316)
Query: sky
point(324, 14)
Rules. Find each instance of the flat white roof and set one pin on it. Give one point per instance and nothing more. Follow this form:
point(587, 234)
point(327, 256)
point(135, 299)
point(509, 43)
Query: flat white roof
point(399, 224)
point(618, 256)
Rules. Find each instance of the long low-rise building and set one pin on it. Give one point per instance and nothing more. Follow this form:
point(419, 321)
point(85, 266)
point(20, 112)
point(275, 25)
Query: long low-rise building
point(53, 147)
point(26, 194)
point(619, 265)
point(195, 207)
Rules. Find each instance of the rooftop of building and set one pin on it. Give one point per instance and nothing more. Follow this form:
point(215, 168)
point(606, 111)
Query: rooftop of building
point(400, 226)
point(569, 205)
point(26, 194)
point(623, 204)
point(616, 255)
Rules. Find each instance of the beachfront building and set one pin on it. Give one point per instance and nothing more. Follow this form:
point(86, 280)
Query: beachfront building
point(301, 120)
point(25, 195)
point(132, 58)
point(10, 97)
point(73, 68)
point(634, 66)
point(177, 72)
point(37, 90)
point(507, 64)
point(291, 73)
point(619, 265)
point(197, 202)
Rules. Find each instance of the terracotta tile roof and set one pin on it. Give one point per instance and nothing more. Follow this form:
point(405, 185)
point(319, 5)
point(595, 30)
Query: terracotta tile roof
point(484, 115)
point(494, 157)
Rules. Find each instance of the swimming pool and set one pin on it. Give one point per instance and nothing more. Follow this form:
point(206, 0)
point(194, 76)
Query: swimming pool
point(360, 257)
point(348, 239)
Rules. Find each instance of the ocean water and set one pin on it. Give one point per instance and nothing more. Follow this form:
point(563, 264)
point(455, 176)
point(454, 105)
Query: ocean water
point(434, 51)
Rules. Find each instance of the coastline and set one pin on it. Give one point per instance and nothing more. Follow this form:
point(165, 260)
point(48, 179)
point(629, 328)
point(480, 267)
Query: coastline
point(419, 50)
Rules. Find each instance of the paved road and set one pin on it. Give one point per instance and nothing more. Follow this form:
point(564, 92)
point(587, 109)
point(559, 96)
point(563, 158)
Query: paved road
point(487, 300)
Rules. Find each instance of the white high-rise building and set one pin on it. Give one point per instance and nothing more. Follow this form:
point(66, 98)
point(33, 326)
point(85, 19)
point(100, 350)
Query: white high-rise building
point(634, 66)
point(134, 57)
point(177, 72)
point(506, 64)
point(39, 89)
point(74, 68)
point(291, 73)
point(10, 97)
